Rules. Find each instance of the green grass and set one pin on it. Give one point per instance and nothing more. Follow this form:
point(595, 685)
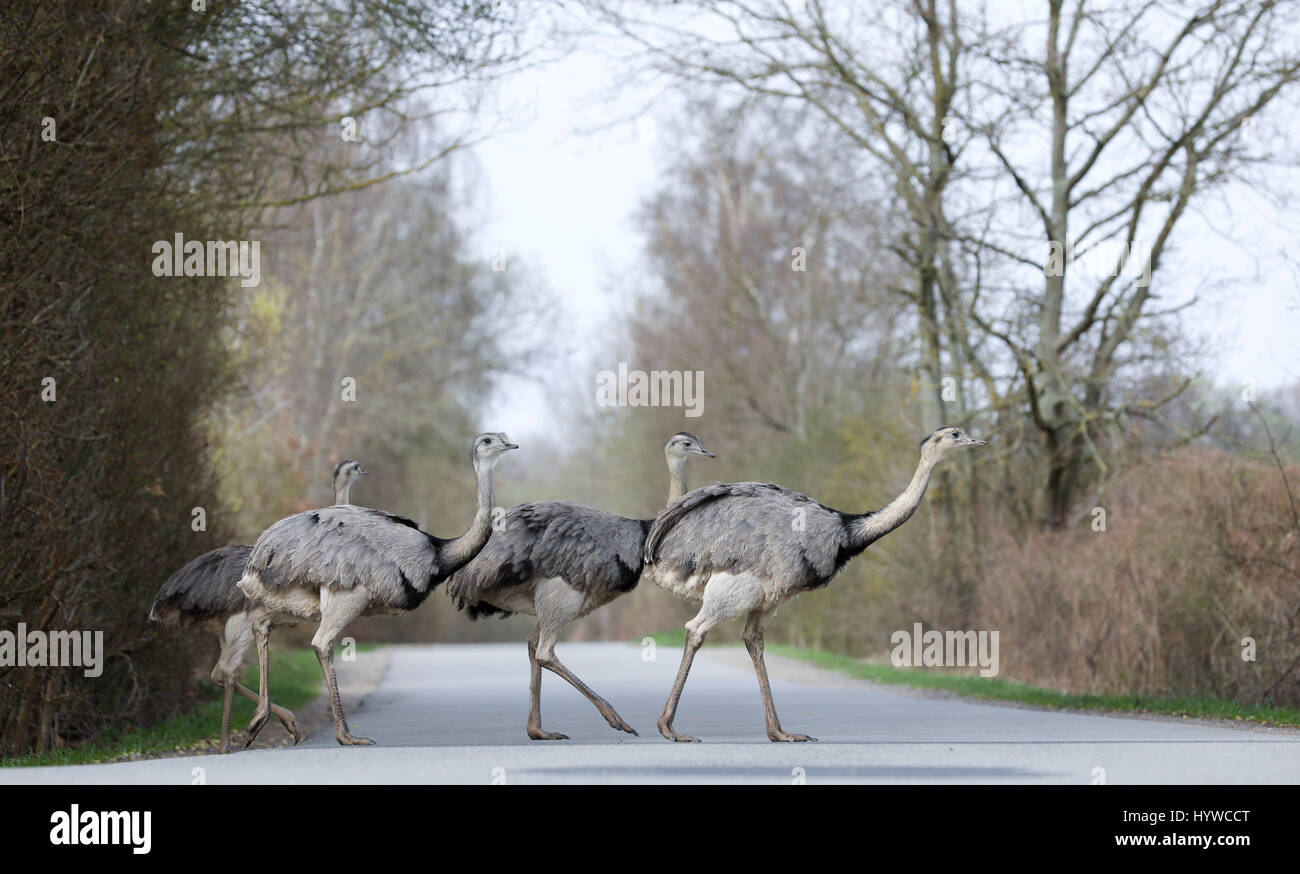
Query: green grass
point(295, 682)
point(995, 689)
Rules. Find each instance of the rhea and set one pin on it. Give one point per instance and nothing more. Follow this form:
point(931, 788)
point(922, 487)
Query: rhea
point(750, 547)
point(206, 592)
point(560, 561)
point(336, 564)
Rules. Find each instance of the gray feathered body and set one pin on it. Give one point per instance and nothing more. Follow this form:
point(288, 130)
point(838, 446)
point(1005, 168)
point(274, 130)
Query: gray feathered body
point(205, 589)
point(780, 536)
point(594, 552)
point(341, 548)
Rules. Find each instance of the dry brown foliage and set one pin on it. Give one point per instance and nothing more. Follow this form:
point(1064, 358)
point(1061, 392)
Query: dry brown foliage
point(1200, 551)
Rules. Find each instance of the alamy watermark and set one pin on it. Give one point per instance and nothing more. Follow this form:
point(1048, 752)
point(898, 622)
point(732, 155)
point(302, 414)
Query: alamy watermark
point(182, 257)
point(77, 827)
point(654, 388)
point(1102, 259)
point(945, 649)
point(52, 649)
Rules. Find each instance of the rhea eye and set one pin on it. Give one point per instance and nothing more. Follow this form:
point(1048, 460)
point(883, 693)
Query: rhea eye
point(953, 435)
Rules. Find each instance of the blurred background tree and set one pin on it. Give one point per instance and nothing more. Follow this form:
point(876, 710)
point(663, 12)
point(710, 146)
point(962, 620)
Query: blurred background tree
point(124, 123)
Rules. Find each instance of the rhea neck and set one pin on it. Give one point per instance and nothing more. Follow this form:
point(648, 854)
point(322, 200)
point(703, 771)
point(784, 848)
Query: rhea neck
point(342, 487)
point(676, 477)
point(460, 551)
point(867, 529)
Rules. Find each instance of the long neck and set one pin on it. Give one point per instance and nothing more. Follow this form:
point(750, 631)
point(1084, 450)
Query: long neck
point(874, 526)
point(342, 486)
point(676, 477)
point(459, 552)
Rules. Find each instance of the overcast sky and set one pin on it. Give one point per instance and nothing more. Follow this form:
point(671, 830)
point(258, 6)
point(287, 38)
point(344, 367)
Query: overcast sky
point(562, 198)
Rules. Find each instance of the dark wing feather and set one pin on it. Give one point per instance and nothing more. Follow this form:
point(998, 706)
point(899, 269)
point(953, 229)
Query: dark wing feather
point(590, 549)
point(206, 588)
point(345, 546)
point(764, 528)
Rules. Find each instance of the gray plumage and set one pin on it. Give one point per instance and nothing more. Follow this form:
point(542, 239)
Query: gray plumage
point(345, 546)
point(590, 549)
point(206, 591)
point(206, 588)
point(559, 561)
point(751, 526)
point(748, 548)
point(338, 563)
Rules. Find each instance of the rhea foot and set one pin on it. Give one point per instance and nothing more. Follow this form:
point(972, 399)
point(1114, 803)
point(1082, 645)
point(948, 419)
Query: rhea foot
point(537, 733)
point(347, 739)
point(786, 737)
point(286, 719)
point(616, 722)
point(255, 727)
point(666, 729)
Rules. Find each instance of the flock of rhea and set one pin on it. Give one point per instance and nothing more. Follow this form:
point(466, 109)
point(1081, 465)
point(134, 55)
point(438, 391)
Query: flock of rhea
point(731, 548)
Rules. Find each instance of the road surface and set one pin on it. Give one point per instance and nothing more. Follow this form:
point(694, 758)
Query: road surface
point(455, 714)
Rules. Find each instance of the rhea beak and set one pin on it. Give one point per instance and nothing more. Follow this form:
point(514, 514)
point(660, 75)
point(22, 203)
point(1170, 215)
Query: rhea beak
point(706, 452)
point(512, 446)
point(972, 442)
point(361, 471)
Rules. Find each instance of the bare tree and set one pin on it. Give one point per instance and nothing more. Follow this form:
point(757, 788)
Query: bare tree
point(1127, 115)
point(767, 279)
point(265, 82)
point(1134, 111)
point(377, 330)
point(894, 101)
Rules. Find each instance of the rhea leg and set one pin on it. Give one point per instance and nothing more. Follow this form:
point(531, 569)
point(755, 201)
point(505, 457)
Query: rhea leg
point(557, 604)
point(228, 684)
point(693, 641)
point(753, 637)
point(236, 636)
point(725, 596)
point(546, 658)
point(262, 637)
point(535, 694)
point(615, 721)
point(337, 610)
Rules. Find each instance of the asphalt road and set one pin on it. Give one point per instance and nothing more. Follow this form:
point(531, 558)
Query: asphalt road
point(455, 714)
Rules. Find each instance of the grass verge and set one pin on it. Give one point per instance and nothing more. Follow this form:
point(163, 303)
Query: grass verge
point(995, 689)
point(295, 682)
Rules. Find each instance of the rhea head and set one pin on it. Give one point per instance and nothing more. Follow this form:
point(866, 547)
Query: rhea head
point(487, 448)
point(946, 440)
point(347, 472)
point(684, 443)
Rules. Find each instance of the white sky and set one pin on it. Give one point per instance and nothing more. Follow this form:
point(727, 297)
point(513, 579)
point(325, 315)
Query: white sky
point(562, 198)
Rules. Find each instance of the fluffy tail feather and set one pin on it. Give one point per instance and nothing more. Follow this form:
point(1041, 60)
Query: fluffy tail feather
point(205, 588)
point(466, 586)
